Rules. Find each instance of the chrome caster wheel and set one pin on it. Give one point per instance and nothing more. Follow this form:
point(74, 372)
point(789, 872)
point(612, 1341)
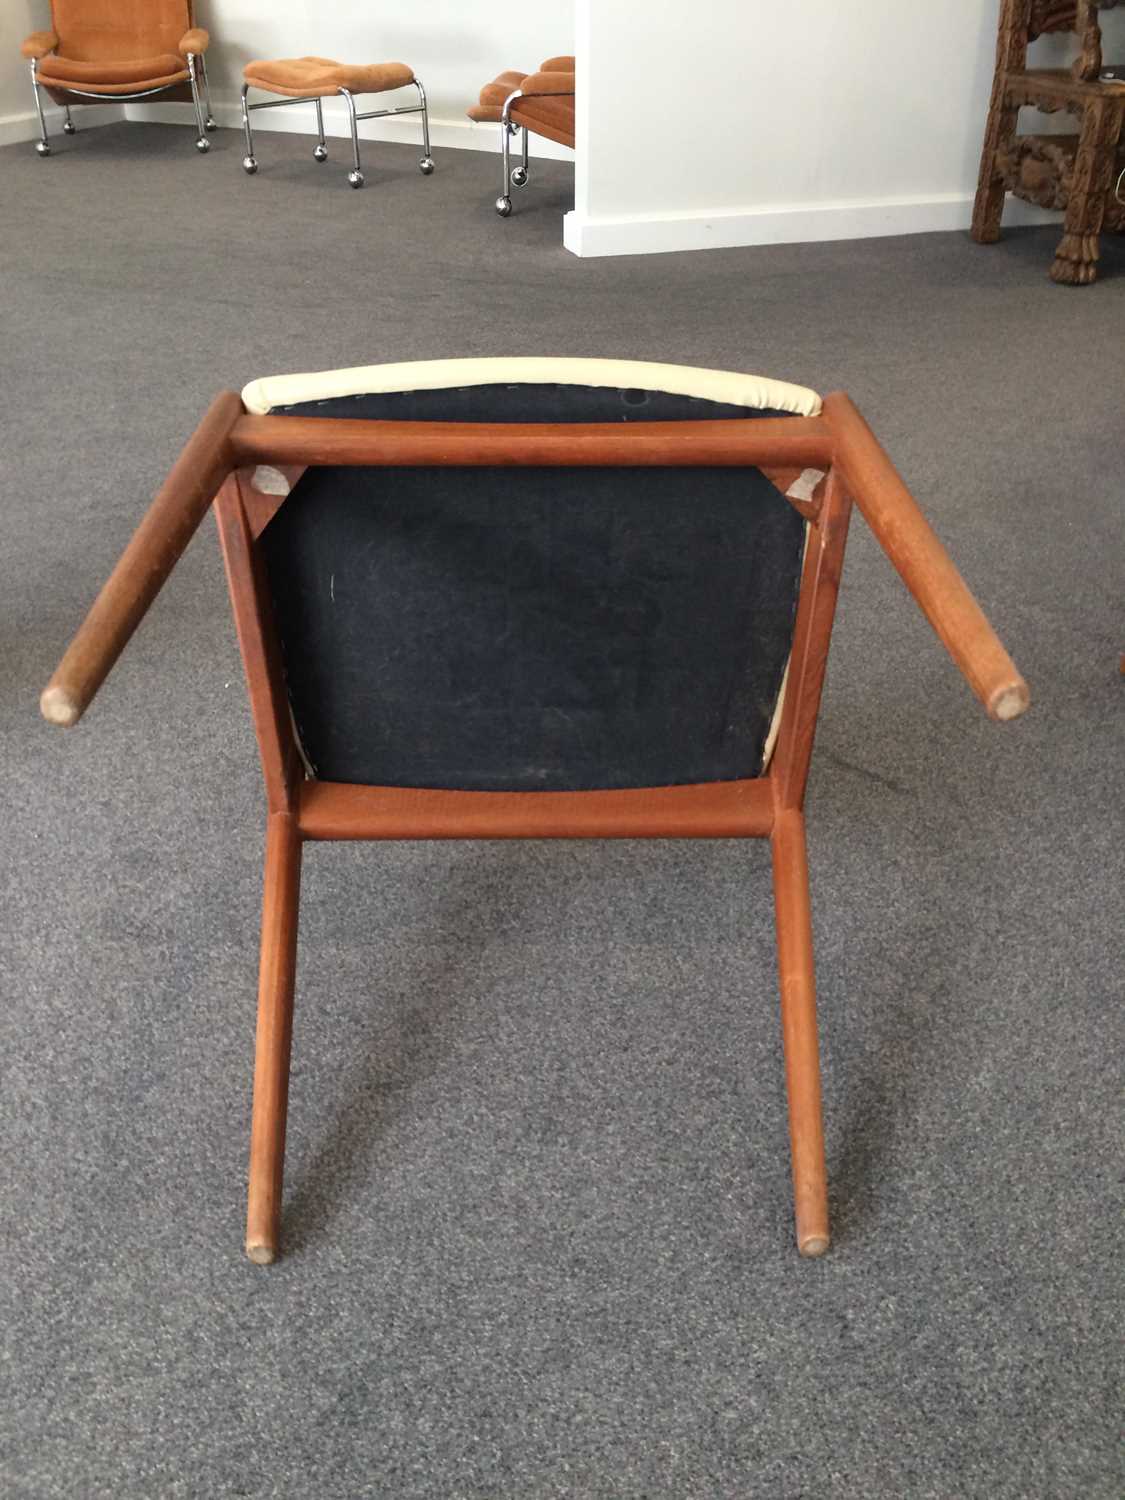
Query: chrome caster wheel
point(209, 123)
point(426, 165)
point(356, 179)
point(519, 176)
point(203, 145)
point(249, 165)
point(503, 207)
point(69, 127)
point(320, 153)
point(43, 148)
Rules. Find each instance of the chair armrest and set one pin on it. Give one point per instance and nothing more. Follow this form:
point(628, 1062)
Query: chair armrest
point(196, 40)
point(923, 564)
point(168, 525)
point(557, 65)
point(547, 83)
point(39, 43)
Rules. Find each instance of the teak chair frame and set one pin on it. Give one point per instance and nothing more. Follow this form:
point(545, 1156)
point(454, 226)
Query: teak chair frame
point(219, 463)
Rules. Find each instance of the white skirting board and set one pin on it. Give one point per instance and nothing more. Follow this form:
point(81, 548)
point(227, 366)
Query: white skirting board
point(584, 236)
point(641, 235)
point(25, 125)
point(300, 119)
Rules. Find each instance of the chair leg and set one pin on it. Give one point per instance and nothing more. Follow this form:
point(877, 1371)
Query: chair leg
point(798, 1026)
point(202, 144)
point(42, 145)
point(209, 121)
point(355, 176)
point(249, 161)
point(988, 209)
point(426, 165)
point(320, 150)
point(69, 127)
point(521, 173)
point(1076, 259)
point(277, 972)
point(504, 202)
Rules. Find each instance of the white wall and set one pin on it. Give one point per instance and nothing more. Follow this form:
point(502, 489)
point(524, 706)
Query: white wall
point(17, 18)
point(454, 46)
point(735, 122)
point(18, 120)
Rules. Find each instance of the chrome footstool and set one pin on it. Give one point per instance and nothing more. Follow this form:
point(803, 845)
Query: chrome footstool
point(308, 80)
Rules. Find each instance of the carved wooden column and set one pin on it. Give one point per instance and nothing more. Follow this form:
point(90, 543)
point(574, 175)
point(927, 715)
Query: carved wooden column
point(1076, 259)
point(1011, 55)
point(1088, 64)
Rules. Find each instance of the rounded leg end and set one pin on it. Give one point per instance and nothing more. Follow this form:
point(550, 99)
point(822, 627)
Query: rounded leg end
point(58, 707)
point(814, 1245)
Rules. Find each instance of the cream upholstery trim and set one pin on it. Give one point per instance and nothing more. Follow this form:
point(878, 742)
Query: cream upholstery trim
point(752, 391)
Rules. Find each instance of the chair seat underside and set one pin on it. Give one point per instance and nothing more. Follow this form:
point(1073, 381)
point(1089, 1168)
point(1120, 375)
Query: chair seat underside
point(548, 630)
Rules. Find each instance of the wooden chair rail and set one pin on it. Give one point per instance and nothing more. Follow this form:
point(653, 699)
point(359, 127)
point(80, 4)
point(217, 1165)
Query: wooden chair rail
point(709, 444)
point(719, 809)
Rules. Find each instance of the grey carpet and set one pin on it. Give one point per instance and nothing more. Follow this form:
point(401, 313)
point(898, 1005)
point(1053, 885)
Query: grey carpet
point(538, 1216)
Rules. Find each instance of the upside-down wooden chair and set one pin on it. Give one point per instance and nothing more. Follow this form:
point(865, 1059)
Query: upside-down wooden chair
point(1077, 174)
point(101, 51)
point(533, 598)
point(539, 103)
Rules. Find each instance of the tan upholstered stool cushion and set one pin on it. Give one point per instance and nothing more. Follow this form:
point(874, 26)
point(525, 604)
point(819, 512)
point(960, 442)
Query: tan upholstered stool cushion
point(321, 75)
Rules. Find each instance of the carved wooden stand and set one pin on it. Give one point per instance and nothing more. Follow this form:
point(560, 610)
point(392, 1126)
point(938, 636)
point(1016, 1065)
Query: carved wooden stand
point(1073, 173)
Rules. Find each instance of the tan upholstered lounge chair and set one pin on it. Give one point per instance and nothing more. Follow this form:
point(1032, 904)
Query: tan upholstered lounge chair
point(99, 50)
point(542, 102)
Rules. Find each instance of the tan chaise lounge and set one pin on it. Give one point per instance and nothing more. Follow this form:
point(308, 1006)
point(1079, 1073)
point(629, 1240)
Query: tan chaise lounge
point(541, 102)
point(308, 80)
point(97, 50)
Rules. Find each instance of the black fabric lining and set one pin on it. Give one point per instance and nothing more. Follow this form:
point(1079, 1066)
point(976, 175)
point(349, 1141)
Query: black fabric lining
point(533, 629)
point(515, 402)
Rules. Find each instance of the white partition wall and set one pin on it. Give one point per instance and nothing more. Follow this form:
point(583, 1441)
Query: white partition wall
point(705, 123)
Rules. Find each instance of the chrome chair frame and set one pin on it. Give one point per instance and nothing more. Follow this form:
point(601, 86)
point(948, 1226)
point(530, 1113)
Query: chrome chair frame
point(197, 73)
point(516, 176)
point(320, 150)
